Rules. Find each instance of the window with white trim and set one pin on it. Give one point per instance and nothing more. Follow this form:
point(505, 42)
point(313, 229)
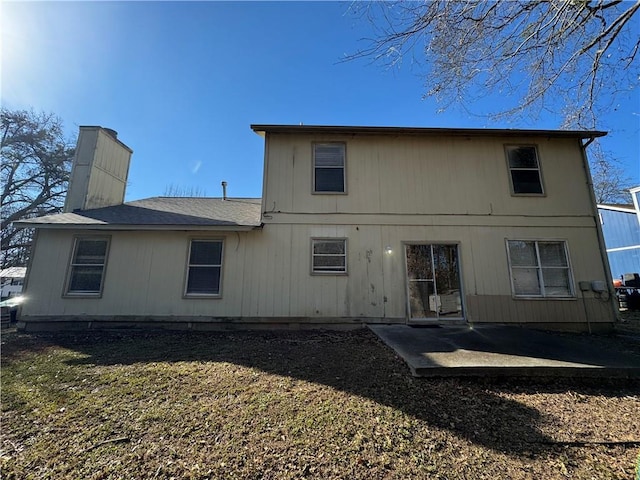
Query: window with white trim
point(329, 168)
point(87, 268)
point(539, 268)
point(204, 270)
point(329, 255)
point(524, 169)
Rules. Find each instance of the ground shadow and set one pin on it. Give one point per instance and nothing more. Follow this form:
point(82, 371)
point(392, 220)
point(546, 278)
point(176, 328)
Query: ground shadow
point(354, 362)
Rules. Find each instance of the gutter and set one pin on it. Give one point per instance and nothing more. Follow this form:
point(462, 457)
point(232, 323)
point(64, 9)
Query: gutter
point(596, 218)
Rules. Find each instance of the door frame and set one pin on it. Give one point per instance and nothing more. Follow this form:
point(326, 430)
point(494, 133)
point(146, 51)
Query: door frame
point(437, 319)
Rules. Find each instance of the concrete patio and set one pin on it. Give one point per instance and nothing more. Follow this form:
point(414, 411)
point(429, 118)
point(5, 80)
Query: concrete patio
point(497, 350)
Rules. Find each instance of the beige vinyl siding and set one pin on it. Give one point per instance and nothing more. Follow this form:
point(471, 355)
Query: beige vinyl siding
point(109, 174)
point(266, 274)
point(432, 175)
point(399, 189)
point(100, 171)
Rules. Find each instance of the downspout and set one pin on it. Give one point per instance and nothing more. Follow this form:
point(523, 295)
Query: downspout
point(265, 171)
point(600, 235)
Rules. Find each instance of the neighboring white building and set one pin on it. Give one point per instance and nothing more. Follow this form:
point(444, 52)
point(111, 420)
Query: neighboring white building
point(11, 281)
point(355, 225)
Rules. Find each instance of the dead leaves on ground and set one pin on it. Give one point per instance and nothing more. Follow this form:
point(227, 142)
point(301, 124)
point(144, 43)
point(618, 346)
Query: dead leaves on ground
point(292, 405)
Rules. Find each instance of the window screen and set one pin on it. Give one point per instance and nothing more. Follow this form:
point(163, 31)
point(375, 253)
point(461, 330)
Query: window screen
point(524, 169)
point(205, 267)
point(539, 268)
point(87, 267)
point(328, 168)
point(329, 255)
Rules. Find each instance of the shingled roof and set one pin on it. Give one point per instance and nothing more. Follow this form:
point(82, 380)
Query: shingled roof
point(158, 213)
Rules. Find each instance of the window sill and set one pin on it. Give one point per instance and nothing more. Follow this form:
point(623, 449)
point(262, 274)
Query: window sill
point(332, 274)
point(82, 295)
point(206, 296)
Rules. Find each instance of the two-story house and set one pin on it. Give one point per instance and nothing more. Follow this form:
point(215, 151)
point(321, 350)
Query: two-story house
point(355, 225)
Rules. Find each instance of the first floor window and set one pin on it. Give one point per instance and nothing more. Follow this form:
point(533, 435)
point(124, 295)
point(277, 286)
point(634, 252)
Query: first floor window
point(539, 268)
point(88, 262)
point(524, 168)
point(205, 267)
point(329, 255)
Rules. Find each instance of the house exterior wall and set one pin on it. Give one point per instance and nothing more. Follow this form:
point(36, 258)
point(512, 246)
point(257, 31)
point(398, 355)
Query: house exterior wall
point(266, 277)
point(413, 175)
point(447, 189)
point(409, 189)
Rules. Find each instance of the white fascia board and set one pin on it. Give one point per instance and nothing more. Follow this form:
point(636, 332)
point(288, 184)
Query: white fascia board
point(622, 249)
point(617, 209)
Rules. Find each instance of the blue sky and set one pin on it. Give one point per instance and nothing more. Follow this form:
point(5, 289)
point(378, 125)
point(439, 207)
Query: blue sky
point(181, 83)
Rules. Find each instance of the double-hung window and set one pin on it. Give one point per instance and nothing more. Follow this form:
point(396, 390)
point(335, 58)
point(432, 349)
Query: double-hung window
point(87, 268)
point(204, 270)
point(329, 255)
point(329, 168)
point(524, 168)
point(539, 268)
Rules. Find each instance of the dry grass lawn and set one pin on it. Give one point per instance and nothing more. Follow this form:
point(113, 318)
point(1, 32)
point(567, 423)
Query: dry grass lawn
point(284, 405)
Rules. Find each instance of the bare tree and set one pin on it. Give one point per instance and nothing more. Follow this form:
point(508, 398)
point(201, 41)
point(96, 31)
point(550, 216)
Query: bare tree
point(182, 191)
point(611, 183)
point(539, 55)
point(36, 160)
point(573, 58)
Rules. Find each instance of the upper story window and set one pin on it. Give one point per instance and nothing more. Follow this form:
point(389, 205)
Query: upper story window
point(204, 270)
point(87, 268)
point(329, 168)
point(329, 255)
point(524, 168)
point(539, 268)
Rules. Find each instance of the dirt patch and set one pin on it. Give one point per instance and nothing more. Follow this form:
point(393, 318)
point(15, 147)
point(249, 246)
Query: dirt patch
point(292, 405)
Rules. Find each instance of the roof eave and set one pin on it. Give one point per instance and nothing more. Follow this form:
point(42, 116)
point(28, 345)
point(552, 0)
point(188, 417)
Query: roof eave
point(111, 226)
point(261, 129)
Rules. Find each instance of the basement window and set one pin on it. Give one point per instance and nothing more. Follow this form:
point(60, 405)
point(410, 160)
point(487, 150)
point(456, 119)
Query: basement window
point(539, 268)
point(329, 256)
point(524, 169)
point(329, 168)
point(88, 265)
point(204, 270)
